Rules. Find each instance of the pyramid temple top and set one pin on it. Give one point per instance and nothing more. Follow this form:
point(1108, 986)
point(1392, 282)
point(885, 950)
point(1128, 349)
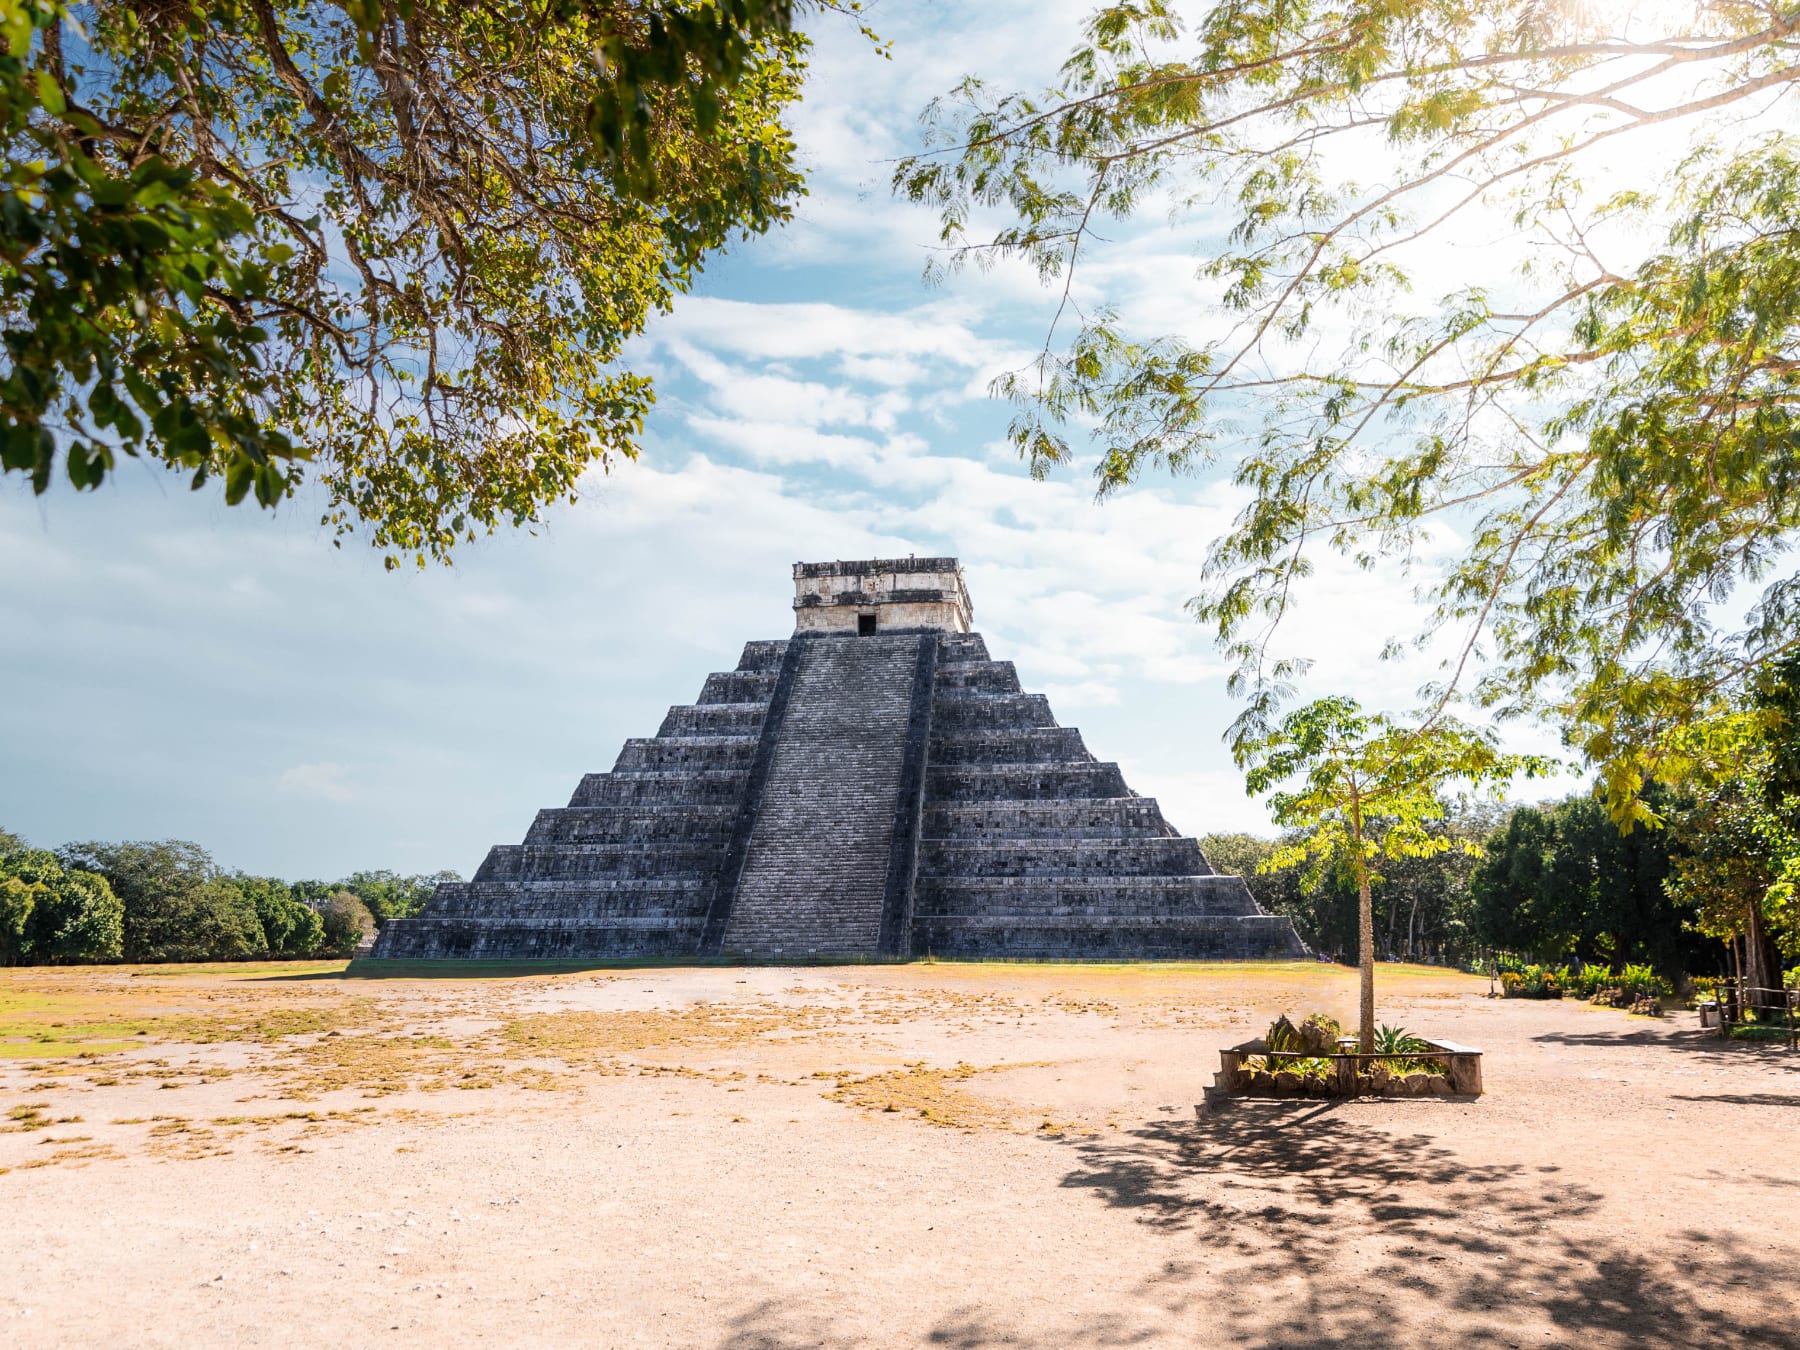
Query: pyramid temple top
point(874, 595)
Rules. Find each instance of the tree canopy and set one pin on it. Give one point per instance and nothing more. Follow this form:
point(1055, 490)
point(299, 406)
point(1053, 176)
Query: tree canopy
point(1563, 881)
point(1736, 854)
point(51, 914)
point(1594, 400)
point(397, 249)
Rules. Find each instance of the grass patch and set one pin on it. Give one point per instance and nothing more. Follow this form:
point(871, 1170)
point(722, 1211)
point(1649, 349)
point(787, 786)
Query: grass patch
point(578, 1036)
point(922, 1093)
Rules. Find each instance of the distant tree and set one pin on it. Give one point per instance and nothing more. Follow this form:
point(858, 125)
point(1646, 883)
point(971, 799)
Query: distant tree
point(290, 928)
point(12, 843)
point(1238, 855)
point(18, 899)
point(50, 914)
point(347, 922)
point(178, 906)
point(389, 895)
point(1564, 880)
point(1367, 790)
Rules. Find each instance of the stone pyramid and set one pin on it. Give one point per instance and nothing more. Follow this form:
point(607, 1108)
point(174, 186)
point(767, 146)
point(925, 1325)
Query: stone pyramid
point(874, 787)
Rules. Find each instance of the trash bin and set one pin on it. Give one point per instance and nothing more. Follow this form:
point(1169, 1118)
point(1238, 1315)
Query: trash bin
point(1709, 1014)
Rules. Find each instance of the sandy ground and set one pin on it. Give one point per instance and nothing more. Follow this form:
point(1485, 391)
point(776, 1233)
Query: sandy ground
point(932, 1155)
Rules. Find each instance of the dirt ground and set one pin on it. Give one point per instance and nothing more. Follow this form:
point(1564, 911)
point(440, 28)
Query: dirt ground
point(932, 1155)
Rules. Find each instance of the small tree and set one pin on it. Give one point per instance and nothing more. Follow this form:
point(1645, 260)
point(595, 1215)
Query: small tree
point(347, 922)
point(1737, 841)
point(1370, 789)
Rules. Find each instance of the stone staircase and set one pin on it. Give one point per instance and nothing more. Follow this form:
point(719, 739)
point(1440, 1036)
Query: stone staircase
point(815, 873)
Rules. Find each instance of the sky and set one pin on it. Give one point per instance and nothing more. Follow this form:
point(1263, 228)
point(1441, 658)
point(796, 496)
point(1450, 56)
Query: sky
point(176, 668)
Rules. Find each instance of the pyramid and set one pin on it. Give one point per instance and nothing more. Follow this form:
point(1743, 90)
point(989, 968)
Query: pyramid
point(876, 786)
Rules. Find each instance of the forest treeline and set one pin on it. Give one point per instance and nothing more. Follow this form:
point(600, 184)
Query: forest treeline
point(1556, 882)
point(169, 901)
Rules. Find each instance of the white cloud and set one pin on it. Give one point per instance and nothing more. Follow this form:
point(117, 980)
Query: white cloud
point(324, 780)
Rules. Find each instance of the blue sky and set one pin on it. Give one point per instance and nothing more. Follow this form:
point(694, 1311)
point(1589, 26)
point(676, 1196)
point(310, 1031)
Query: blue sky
point(176, 668)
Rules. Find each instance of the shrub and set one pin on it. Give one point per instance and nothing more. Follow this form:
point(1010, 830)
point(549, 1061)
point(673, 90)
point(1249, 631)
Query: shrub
point(346, 922)
point(1641, 982)
point(1398, 1041)
point(1531, 982)
point(1319, 1034)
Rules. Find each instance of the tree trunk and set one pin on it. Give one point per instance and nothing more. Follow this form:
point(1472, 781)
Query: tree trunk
point(1762, 962)
point(1366, 920)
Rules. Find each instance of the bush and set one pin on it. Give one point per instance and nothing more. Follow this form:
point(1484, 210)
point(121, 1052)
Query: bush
point(346, 922)
point(1317, 1035)
point(1521, 979)
point(1531, 982)
point(1641, 982)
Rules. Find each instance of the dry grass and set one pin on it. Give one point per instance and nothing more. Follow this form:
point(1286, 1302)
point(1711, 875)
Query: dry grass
point(929, 1094)
point(581, 1036)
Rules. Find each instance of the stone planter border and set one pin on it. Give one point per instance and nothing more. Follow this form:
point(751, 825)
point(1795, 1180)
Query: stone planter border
point(1348, 1078)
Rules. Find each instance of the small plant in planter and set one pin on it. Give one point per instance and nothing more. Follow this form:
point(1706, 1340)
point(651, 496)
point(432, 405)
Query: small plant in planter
point(1307, 1060)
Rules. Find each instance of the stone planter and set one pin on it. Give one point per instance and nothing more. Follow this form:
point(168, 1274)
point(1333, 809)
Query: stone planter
point(1348, 1074)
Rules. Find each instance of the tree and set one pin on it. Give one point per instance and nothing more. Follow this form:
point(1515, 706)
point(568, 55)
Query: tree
point(1367, 790)
point(1737, 843)
point(1608, 426)
point(347, 922)
point(177, 904)
point(1563, 881)
point(398, 247)
point(290, 928)
point(50, 914)
point(389, 895)
point(1237, 855)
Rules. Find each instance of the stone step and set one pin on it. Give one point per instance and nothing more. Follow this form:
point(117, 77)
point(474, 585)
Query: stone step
point(671, 859)
point(738, 686)
point(1093, 818)
point(706, 787)
point(501, 864)
point(965, 710)
point(1020, 782)
point(1109, 858)
point(763, 656)
point(1033, 745)
point(663, 754)
point(593, 899)
point(534, 939)
point(712, 719)
point(988, 677)
point(1260, 937)
point(631, 821)
point(1029, 897)
point(962, 647)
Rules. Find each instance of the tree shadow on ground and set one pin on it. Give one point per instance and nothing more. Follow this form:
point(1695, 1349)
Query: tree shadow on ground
point(1737, 1098)
point(1705, 1044)
point(1312, 1229)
